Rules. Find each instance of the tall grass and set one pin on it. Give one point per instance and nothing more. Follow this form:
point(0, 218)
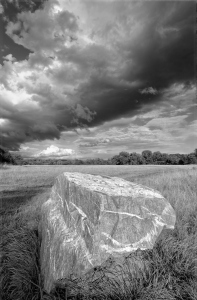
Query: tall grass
point(168, 271)
point(12, 177)
point(180, 189)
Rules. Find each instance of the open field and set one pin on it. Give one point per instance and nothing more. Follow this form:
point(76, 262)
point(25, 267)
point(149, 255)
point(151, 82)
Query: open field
point(19, 184)
point(173, 274)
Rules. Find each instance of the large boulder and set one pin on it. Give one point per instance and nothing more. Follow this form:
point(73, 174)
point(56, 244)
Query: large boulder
point(90, 217)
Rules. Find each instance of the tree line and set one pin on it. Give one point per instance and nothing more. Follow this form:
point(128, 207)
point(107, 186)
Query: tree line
point(147, 157)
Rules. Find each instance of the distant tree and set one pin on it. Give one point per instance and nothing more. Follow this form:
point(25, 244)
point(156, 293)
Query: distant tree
point(173, 159)
point(77, 162)
point(148, 156)
point(183, 160)
point(71, 161)
point(65, 162)
point(164, 158)
point(109, 161)
point(136, 159)
point(192, 159)
point(18, 160)
point(141, 160)
point(124, 158)
point(88, 161)
point(27, 161)
point(115, 160)
point(99, 161)
point(133, 158)
point(157, 157)
point(5, 156)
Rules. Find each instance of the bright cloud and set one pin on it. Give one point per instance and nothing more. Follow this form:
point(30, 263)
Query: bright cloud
point(149, 90)
point(170, 123)
point(55, 151)
point(9, 57)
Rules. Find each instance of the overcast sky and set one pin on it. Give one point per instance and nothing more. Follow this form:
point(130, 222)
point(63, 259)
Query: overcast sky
point(81, 79)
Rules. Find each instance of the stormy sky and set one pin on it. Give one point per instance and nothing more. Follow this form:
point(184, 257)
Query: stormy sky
point(82, 79)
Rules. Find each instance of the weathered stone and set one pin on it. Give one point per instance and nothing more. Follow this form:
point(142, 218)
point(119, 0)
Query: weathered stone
point(89, 218)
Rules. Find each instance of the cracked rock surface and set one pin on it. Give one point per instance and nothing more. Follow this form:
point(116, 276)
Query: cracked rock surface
point(90, 218)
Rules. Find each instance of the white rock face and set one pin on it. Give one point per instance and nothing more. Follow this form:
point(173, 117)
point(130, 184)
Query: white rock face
point(89, 218)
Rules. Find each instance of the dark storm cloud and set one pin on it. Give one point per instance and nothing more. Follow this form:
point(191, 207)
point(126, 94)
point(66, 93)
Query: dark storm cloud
point(160, 55)
point(26, 125)
point(9, 13)
point(94, 68)
point(12, 7)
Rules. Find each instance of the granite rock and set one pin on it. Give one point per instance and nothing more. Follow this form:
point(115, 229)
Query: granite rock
point(90, 218)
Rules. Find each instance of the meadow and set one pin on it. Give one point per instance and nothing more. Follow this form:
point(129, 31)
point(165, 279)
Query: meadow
point(172, 271)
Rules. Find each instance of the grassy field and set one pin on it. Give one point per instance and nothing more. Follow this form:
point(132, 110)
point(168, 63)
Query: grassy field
point(173, 260)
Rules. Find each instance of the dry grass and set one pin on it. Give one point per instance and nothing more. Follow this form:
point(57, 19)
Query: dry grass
point(171, 272)
point(31, 176)
point(180, 189)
